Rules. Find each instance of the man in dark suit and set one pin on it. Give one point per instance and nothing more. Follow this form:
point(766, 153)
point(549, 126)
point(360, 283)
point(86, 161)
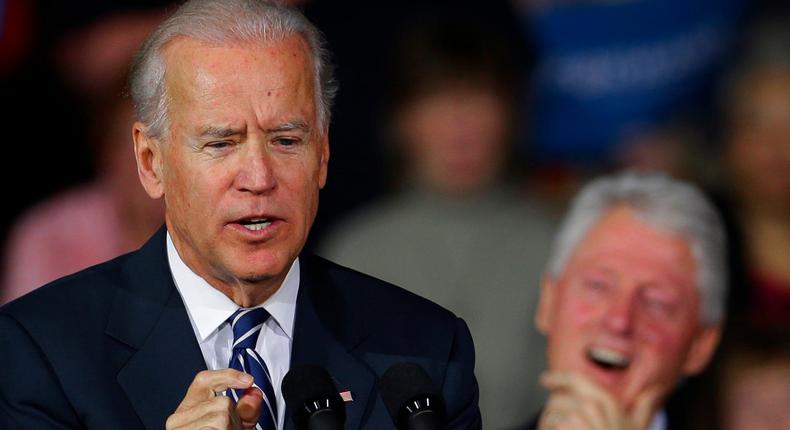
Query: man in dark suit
point(232, 101)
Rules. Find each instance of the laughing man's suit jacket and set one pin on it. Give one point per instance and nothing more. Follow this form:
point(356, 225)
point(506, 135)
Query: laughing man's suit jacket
point(112, 347)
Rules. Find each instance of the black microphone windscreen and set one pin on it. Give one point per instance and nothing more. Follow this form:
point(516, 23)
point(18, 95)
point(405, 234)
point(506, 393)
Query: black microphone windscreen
point(307, 383)
point(402, 382)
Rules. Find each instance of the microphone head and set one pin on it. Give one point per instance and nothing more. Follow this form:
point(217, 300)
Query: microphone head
point(407, 390)
point(308, 390)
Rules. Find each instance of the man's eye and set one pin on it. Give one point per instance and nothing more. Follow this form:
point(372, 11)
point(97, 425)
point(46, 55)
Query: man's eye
point(594, 289)
point(286, 141)
point(595, 285)
point(218, 145)
point(658, 305)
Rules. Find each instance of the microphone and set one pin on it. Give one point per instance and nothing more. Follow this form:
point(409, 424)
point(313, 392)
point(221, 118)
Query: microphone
point(312, 399)
point(411, 399)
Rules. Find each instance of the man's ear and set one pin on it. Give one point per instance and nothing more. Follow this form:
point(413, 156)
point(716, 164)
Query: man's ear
point(148, 153)
point(545, 312)
point(323, 162)
point(702, 347)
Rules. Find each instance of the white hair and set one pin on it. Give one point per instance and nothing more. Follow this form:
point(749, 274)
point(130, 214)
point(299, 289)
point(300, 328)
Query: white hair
point(224, 22)
point(666, 203)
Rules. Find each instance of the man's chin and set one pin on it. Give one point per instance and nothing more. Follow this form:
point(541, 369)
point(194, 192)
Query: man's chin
point(263, 272)
point(263, 269)
point(258, 278)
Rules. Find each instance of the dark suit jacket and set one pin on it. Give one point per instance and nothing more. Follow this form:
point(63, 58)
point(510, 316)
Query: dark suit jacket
point(111, 347)
point(533, 425)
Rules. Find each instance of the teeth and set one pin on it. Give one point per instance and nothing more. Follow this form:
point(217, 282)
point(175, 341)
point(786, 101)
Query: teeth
point(608, 357)
point(256, 224)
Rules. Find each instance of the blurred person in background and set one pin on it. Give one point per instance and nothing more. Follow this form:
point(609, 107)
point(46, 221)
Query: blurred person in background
point(360, 163)
point(456, 231)
point(747, 387)
point(111, 215)
point(754, 382)
point(757, 174)
point(632, 301)
point(753, 190)
point(751, 184)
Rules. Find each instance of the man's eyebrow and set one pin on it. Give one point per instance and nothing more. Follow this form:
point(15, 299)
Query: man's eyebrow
point(290, 126)
point(220, 132)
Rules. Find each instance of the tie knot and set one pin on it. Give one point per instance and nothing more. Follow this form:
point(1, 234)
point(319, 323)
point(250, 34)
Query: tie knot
point(246, 325)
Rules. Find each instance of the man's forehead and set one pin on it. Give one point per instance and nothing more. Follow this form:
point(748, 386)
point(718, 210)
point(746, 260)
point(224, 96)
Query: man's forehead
point(188, 57)
point(203, 77)
point(622, 240)
point(185, 42)
point(623, 225)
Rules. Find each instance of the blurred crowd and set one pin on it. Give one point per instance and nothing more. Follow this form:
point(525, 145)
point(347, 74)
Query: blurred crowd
point(460, 133)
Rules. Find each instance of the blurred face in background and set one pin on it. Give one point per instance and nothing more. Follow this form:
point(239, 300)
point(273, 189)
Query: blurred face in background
point(759, 140)
point(455, 138)
point(624, 312)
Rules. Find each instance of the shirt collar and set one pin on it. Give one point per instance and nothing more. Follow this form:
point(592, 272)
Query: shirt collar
point(659, 421)
point(209, 308)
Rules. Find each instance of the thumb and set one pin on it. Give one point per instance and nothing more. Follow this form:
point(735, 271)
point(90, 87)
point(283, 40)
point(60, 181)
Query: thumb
point(249, 407)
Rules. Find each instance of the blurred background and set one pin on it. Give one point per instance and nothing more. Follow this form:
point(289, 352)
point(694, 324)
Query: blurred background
point(460, 130)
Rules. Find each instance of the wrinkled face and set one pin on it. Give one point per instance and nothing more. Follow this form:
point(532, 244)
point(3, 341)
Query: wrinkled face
point(624, 312)
point(456, 138)
point(244, 160)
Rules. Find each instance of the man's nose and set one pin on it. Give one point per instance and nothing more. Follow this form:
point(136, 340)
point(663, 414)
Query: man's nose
point(621, 313)
point(256, 172)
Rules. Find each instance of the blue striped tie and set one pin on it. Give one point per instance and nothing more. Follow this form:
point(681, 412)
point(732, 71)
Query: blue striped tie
point(246, 325)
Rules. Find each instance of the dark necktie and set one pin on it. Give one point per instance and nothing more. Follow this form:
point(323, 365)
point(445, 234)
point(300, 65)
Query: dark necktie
point(246, 325)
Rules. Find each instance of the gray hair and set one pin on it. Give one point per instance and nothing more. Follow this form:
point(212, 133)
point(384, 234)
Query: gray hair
point(224, 22)
point(666, 203)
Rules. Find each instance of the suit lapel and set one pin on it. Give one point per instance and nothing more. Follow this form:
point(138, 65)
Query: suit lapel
point(149, 316)
point(325, 333)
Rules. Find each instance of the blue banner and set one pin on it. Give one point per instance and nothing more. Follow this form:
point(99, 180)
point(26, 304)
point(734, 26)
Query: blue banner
point(606, 66)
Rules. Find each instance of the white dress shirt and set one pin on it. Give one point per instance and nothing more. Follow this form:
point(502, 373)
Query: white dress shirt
point(209, 309)
point(659, 421)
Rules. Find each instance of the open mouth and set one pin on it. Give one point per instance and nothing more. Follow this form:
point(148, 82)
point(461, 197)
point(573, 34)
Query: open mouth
point(608, 359)
point(255, 224)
